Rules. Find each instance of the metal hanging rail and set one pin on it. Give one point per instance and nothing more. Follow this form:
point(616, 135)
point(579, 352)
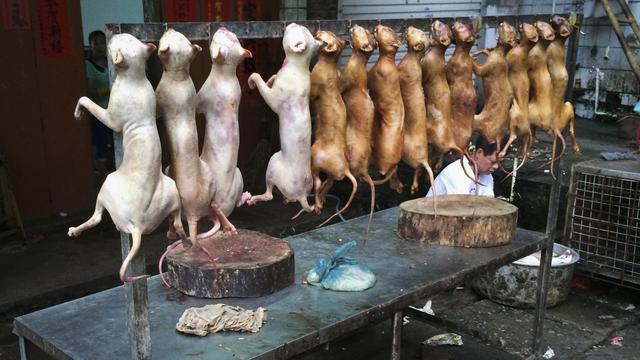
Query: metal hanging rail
point(196, 31)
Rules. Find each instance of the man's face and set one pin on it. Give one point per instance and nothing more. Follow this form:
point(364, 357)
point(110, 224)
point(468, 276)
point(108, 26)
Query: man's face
point(98, 46)
point(486, 163)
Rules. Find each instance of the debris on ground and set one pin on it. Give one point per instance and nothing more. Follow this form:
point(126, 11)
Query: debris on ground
point(425, 309)
point(549, 353)
point(617, 341)
point(444, 339)
point(606, 317)
point(618, 155)
point(34, 240)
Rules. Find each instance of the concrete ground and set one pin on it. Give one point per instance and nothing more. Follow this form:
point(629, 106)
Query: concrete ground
point(580, 328)
point(49, 268)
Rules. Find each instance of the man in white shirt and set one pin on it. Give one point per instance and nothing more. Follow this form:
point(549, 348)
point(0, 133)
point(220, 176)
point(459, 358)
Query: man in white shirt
point(453, 180)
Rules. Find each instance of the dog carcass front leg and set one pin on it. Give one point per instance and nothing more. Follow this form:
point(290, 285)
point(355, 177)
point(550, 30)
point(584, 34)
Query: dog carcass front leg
point(267, 93)
point(85, 104)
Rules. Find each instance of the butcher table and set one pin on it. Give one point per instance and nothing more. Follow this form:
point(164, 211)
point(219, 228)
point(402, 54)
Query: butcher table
point(299, 317)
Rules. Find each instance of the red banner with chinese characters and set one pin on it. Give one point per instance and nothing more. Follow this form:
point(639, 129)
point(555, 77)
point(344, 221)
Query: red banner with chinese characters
point(15, 14)
point(180, 10)
point(217, 10)
point(55, 37)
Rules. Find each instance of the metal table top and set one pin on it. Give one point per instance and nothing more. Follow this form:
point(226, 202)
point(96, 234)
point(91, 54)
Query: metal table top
point(299, 317)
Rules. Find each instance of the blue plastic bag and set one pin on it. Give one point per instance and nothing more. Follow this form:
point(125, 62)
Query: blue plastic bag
point(341, 273)
point(636, 109)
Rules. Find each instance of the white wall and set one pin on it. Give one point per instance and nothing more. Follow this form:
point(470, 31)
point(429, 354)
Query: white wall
point(97, 13)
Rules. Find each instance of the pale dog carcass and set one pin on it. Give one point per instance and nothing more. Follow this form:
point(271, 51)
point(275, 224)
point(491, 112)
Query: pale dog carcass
point(218, 99)
point(137, 195)
point(176, 100)
point(288, 96)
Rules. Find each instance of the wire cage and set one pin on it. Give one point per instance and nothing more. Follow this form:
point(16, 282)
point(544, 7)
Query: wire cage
point(603, 219)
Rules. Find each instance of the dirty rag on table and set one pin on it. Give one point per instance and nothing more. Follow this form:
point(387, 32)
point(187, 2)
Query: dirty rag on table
point(220, 317)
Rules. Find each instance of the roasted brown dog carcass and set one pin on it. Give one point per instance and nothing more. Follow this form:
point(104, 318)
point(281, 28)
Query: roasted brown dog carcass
point(328, 153)
point(540, 94)
point(463, 94)
point(415, 149)
point(437, 93)
point(383, 81)
point(353, 85)
point(563, 111)
point(519, 126)
point(493, 120)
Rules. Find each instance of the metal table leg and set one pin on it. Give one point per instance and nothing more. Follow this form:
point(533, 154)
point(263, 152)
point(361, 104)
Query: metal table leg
point(396, 344)
point(137, 301)
point(23, 349)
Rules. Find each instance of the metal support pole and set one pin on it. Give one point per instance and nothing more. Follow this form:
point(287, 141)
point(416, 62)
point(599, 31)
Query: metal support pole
point(137, 304)
point(135, 293)
point(396, 342)
point(545, 259)
point(572, 56)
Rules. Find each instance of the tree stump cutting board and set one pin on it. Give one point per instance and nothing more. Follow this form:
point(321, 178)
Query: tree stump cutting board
point(461, 220)
point(249, 264)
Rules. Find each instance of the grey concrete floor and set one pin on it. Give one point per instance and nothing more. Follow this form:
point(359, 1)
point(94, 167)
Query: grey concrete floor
point(50, 269)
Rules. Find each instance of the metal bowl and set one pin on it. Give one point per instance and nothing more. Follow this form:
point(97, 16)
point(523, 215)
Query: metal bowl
point(516, 284)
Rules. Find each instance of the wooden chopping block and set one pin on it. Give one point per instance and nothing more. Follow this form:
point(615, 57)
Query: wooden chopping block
point(461, 220)
point(248, 264)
